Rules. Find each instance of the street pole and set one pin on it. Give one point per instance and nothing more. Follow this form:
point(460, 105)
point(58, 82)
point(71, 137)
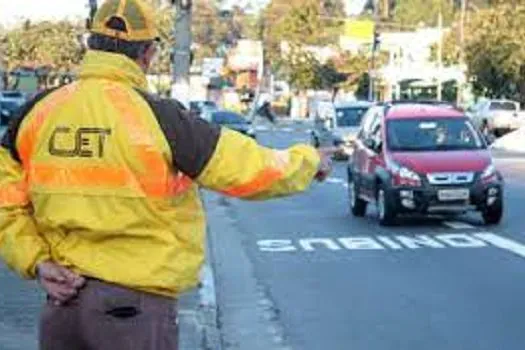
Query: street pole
point(93, 7)
point(182, 52)
point(440, 56)
point(461, 48)
point(371, 74)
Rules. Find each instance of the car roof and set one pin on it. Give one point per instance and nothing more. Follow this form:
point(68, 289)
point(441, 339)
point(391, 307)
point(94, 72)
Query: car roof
point(353, 104)
point(417, 110)
point(225, 111)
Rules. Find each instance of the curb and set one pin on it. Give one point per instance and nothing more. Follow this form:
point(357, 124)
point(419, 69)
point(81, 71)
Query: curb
point(198, 313)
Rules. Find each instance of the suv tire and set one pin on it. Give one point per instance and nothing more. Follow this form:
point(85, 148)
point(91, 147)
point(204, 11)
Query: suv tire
point(357, 205)
point(386, 212)
point(492, 215)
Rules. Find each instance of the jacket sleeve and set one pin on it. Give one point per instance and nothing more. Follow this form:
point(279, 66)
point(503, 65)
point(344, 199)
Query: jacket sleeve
point(240, 167)
point(226, 161)
point(21, 246)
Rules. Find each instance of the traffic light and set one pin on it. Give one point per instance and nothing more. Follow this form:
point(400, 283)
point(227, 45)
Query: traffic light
point(377, 40)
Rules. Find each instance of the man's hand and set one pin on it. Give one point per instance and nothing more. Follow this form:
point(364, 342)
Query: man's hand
point(60, 283)
point(325, 167)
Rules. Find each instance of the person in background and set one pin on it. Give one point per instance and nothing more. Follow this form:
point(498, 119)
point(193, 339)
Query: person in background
point(99, 192)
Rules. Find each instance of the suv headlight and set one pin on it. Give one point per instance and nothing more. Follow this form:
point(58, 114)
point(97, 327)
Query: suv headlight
point(489, 172)
point(408, 174)
point(403, 176)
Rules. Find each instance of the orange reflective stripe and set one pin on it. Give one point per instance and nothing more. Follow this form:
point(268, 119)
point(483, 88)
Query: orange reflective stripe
point(95, 176)
point(28, 135)
point(261, 182)
point(13, 194)
point(144, 146)
point(106, 176)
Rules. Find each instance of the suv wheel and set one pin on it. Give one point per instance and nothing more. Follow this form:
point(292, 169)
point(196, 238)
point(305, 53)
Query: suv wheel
point(492, 215)
point(357, 205)
point(385, 208)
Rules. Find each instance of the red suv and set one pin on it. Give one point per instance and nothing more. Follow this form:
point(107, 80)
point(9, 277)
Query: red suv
point(426, 159)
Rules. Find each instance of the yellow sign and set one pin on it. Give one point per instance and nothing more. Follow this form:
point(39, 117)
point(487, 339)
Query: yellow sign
point(359, 29)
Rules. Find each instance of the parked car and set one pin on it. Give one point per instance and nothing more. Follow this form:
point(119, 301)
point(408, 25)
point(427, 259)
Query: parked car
point(413, 158)
point(10, 102)
point(337, 125)
point(497, 117)
point(196, 107)
point(229, 120)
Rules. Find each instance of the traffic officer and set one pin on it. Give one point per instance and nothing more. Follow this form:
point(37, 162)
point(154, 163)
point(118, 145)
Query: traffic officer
point(99, 192)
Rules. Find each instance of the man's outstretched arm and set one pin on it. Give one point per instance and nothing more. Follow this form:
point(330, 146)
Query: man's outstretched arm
point(240, 167)
point(226, 161)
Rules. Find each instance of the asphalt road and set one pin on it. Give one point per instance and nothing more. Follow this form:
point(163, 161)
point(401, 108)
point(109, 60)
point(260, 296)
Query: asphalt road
point(338, 282)
point(321, 279)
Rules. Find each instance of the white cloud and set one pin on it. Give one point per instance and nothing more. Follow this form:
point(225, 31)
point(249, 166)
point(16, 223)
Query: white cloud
point(12, 11)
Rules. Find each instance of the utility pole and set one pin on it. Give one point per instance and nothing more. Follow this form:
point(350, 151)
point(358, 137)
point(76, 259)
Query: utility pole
point(461, 46)
point(182, 51)
point(372, 71)
point(93, 7)
point(440, 56)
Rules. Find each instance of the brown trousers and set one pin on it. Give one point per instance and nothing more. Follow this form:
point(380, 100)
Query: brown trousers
point(109, 317)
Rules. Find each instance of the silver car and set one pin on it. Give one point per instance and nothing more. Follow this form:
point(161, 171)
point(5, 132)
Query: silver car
point(337, 125)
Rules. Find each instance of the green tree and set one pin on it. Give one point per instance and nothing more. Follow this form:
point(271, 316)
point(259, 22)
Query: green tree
point(495, 51)
point(308, 22)
point(415, 12)
point(451, 48)
point(164, 21)
point(44, 43)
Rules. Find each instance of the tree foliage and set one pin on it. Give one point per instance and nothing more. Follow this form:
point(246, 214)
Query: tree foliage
point(415, 12)
point(495, 51)
point(302, 23)
point(50, 44)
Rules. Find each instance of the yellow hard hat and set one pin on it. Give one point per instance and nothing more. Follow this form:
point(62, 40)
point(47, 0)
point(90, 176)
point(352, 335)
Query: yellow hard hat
point(137, 17)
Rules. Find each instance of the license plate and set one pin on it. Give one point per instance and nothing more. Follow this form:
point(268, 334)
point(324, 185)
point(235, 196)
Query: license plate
point(453, 195)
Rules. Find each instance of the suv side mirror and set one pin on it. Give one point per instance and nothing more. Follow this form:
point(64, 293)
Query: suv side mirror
point(373, 145)
point(370, 144)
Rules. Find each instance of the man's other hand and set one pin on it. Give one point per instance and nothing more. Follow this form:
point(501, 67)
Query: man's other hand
point(325, 167)
point(60, 283)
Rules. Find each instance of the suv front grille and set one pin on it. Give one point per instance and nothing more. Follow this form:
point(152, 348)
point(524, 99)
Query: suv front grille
point(452, 178)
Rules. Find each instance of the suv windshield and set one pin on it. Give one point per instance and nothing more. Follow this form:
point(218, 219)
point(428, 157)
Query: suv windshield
point(11, 94)
point(228, 118)
point(350, 116)
point(502, 106)
point(438, 134)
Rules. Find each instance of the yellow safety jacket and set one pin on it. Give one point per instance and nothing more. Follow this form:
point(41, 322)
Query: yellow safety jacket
point(103, 178)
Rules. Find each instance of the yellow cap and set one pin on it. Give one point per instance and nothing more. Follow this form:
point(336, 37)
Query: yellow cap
point(137, 17)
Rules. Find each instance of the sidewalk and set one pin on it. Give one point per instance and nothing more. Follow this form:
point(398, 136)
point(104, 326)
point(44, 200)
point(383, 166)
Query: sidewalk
point(198, 327)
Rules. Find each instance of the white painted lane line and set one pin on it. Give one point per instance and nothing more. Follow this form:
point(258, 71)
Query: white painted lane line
point(456, 225)
point(334, 180)
point(503, 243)
point(383, 243)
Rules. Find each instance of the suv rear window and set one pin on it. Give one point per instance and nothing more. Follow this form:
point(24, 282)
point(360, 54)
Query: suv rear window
point(502, 106)
point(350, 116)
point(436, 134)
